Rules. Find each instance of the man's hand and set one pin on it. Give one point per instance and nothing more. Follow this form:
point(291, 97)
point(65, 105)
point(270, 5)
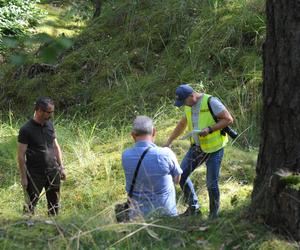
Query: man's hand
point(177, 131)
point(62, 173)
point(204, 132)
point(176, 179)
point(22, 164)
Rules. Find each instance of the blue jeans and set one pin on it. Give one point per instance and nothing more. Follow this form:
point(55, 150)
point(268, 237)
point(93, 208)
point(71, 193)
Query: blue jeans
point(194, 158)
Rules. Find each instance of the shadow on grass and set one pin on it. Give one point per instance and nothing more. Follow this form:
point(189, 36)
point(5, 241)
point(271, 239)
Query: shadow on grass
point(234, 229)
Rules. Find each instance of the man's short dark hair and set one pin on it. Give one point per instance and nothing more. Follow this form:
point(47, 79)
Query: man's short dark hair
point(43, 103)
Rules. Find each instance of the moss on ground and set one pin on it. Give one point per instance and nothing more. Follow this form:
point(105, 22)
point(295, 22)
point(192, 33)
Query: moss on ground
point(292, 181)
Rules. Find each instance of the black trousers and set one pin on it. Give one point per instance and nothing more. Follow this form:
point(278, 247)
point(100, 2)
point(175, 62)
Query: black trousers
point(50, 180)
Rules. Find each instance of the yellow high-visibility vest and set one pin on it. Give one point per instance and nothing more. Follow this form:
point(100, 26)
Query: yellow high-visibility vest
point(212, 142)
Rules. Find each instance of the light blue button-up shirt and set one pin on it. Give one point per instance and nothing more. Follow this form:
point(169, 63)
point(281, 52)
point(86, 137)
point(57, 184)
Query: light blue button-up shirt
point(154, 189)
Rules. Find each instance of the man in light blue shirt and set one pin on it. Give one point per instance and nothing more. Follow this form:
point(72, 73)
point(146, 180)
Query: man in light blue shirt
point(154, 190)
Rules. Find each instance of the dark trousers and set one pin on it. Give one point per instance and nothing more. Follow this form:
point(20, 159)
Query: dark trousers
point(50, 180)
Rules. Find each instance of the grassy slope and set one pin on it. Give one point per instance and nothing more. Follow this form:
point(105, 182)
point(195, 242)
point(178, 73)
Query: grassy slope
point(58, 21)
point(132, 58)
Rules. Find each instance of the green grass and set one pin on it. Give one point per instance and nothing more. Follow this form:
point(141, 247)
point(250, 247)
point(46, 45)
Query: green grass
point(58, 21)
point(129, 62)
point(131, 59)
point(95, 183)
point(292, 181)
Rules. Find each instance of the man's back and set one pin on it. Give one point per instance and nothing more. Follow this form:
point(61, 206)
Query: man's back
point(154, 187)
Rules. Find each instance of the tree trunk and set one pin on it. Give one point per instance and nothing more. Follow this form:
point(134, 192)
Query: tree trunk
point(276, 202)
point(97, 7)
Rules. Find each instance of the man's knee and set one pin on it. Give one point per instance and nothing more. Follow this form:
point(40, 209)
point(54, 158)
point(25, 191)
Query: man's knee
point(212, 184)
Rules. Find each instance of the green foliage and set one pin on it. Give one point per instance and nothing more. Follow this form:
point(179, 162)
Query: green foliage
point(7, 154)
point(16, 17)
point(292, 181)
point(129, 62)
point(131, 59)
point(54, 46)
point(231, 66)
point(79, 10)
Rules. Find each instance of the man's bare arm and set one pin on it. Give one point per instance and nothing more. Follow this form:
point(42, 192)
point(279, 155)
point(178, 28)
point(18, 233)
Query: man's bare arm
point(177, 131)
point(22, 163)
point(224, 119)
point(58, 155)
point(176, 179)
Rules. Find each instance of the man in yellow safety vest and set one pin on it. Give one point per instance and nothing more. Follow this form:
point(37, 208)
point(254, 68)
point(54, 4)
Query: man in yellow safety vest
point(205, 116)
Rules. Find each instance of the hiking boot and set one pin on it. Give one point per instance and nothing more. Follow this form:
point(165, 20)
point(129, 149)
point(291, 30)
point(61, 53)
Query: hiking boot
point(191, 211)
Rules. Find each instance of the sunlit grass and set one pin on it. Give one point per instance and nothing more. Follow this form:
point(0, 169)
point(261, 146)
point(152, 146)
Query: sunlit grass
point(54, 25)
point(96, 182)
point(122, 67)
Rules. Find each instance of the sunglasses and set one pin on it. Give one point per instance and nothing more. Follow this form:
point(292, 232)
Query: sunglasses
point(48, 112)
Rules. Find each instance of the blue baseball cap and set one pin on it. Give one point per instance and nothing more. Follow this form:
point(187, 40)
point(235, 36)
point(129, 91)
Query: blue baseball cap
point(182, 92)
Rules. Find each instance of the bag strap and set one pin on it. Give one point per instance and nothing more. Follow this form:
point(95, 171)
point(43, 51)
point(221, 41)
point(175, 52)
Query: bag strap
point(210, 109)
point(136, 172)
point(213, 115)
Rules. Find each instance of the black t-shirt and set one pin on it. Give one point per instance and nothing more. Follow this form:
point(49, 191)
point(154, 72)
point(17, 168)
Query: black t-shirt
point(40, 154)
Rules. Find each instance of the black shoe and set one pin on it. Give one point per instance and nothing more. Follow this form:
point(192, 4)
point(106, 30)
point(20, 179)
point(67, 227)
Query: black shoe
point(191, 211)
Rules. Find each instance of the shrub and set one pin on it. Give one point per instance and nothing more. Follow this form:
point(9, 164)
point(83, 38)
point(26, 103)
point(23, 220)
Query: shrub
point(17, 17)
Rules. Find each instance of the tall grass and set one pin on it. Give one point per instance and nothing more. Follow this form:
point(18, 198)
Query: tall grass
point(231, 66)
point(127, 63)
point(131, 60)
point(95, 182)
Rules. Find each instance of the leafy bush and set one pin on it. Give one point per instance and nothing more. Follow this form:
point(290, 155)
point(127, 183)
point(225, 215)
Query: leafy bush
point(16, 17)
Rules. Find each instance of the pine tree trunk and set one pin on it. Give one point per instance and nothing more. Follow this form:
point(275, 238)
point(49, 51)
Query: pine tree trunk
point(272, 198)
point(97, 8)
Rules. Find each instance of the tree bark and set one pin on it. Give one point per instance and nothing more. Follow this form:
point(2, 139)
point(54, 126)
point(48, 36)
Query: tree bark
point(272, 199)
point(97, 7)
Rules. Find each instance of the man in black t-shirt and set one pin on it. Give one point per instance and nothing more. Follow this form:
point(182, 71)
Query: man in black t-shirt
point(40, 158)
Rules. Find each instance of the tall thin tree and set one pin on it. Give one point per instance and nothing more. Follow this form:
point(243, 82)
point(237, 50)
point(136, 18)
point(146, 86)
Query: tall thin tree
point(273, 199)
point(97, 8)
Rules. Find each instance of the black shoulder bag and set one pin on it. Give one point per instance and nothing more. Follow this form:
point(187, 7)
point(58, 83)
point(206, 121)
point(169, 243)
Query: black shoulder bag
point(122, 210)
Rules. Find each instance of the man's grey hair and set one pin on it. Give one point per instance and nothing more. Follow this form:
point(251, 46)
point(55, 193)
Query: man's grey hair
point(142, 125)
